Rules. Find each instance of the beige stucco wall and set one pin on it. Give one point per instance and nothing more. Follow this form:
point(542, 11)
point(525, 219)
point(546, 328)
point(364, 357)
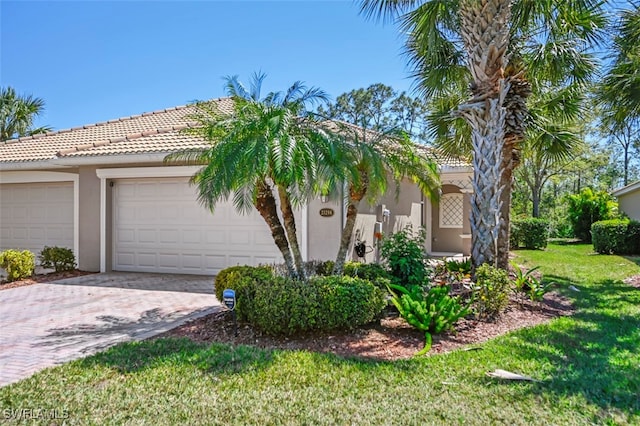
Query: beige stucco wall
point(630, 204)
point(323, 233)
point(89, 220)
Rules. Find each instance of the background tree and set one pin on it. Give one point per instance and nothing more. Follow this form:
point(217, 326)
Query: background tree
point(267, 147)
point(18, 114)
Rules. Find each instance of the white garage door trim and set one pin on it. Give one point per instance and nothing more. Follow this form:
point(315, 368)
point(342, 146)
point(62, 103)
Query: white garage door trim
point(44, 177)
point(156, 172)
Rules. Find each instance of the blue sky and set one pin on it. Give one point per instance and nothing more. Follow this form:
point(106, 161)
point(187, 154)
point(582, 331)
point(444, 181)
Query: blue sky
point(93, 61)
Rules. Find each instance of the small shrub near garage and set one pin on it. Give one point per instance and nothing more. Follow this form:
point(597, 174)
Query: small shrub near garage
point(58, 258)
point(285, 306)
point(18, 264)
point(491, 291)
point(532, 233)
point(373, 272)
point(616, 236)
point(240, 278)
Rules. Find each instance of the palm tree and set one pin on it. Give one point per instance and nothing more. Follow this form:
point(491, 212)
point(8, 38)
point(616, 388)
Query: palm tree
point(369, 159)
point(266, 147)
point(18, 113)
point(487, 46)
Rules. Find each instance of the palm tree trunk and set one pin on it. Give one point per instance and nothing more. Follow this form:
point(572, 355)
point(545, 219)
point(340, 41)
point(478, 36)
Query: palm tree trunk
point(355, 196)
point(485, 33)
point(516, 106)
point(268, 209)
point(290, 226)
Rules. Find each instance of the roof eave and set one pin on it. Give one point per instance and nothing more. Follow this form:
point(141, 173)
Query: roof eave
point(92, 160)
point(625, 190)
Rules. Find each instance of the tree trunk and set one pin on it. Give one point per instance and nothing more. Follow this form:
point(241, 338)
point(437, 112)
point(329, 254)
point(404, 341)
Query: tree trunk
point(485, 33)
point(290, 226)
point(515, 126)
point(268, 209)
point(355, 196)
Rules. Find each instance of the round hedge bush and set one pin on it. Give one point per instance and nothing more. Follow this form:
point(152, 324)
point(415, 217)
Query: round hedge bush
point(238, 277)
point(616, 236)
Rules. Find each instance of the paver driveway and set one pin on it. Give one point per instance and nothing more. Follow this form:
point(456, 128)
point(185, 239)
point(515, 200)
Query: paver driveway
point(43, 325)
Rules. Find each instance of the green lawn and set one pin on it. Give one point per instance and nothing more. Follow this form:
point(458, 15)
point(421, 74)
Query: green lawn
point(588, 365)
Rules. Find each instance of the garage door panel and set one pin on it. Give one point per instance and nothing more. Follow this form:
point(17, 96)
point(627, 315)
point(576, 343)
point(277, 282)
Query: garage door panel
point(163, 216)
point(34, 215)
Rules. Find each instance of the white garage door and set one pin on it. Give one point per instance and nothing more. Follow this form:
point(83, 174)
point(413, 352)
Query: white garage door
point(160, 227)
point(34, 215)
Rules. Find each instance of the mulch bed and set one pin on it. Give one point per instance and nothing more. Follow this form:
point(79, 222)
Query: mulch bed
point(390, 339)
point(43, 278)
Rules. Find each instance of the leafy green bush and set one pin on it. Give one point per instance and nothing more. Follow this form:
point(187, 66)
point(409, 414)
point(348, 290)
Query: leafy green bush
point(405, 257)
point(532, 233)
point(287, 306)
point(616, 236)
point(491, 291)
point(433, 312)
point(587, 208)
point(462, 266)
point(515, 234)
point(239, 277)
point(527, 284)
point(18, 264)
point(58, 258)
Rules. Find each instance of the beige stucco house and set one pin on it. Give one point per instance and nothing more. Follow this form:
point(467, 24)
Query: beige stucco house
point(103, 190)
point(629, 199)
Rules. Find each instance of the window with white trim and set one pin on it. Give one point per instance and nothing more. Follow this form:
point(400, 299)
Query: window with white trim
point(451, 210)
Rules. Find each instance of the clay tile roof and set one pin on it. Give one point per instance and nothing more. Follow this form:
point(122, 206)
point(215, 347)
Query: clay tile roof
point(157, 131)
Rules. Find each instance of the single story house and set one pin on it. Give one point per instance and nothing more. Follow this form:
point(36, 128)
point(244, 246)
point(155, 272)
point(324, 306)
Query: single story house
point(104, 191)
point(629, 199)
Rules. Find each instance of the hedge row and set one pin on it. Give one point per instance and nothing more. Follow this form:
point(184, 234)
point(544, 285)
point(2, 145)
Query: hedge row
point(616, 236)
point(282, 305)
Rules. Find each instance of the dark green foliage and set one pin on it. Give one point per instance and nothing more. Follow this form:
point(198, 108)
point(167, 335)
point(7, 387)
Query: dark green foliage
point(432, 312)
point(58, 258)
point(288, 306)
point(462, 266)
point(587, 208)
point(527, 284)
point(532, 233)
point(491, 291)
point(404, 255)
point(616, 236)
point(239, 277)
point(18, 264)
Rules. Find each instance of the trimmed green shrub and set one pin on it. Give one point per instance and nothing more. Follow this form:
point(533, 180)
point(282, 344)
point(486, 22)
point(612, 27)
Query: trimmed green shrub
point(587, 208)
point(405, 257)
point(58, 258)
point(491, 291)
point(288, 306)
point(515, 234)
point(616, 236)
point(532, 233)
point(238, 277)
point(432, 312)
point(18, 264)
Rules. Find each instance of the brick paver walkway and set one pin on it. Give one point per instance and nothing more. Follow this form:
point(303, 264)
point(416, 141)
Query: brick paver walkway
point(43, 325)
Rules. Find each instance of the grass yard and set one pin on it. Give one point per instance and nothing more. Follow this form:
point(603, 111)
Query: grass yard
point(588, 366)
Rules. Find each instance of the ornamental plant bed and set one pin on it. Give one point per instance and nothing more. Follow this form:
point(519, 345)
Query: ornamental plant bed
point(389, 339)
point(43, 278)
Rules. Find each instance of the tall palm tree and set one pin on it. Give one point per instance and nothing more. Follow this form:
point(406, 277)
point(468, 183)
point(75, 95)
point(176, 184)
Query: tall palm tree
point(369, 160)
point(18, 113)
point(266, 148)
point(487, 46)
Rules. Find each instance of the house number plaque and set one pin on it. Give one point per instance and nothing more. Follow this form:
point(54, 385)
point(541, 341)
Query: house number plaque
point(326, 212)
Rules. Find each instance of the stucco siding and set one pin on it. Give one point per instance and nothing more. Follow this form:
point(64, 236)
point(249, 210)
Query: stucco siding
point(89, 220)
point(630, 204)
